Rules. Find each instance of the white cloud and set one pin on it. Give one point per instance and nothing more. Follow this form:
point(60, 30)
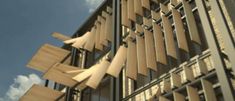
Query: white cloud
point(20, 86)
point(93, 4)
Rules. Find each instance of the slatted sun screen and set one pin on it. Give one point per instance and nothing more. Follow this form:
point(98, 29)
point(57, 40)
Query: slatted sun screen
point(60, 36)
point(117, 62)
point(131, 64)
point(91, 40)
point(138, 7)
point(141, 56)
point(192, 27)
point(180, 33)
point(130, 8)
point(150, 51)
point(125, 21)
point(169, 38)
point(58, 75)
point(159, 44)
point(46, 57)
point(97, 76)
point(40, 93)
point(82, 41)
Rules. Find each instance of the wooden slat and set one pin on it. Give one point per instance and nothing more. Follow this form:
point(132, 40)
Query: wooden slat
point(131, 64)
point(109, 10)
point(156, 90)
point(208, 90)
point(175, 80)
point(161, 98)
point(138, 7)
point(155, 15)
point(187, 75)
point(102, 32)
point(138, 28)
point(60, 36)
point(67, 69)
point(141, 56)
point(97, 76)
point(97, 37)
point(180, 33)
point(40, 93)
point(174, 2)
point(202, 66)
point(59, 76)
point(46, 57)
point(169, 38)
point(108, 28)
point(130, 8)
point(159, 44)
point(165, 86)
point(150, 51)
point(86, 74)
point(147, 22)
point(91, 40)
point(146, 4)
point(164, 8)
point(178, 96)
point(80, 43)
point(192, 27)
point(125, 21)
point(192, 94)
point(117, 62)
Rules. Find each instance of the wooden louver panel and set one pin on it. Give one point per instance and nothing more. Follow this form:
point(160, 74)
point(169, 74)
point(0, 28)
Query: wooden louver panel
point(125, 21)
point(178, 96)
point(138, 7)
point(97, 76)
point(131, 14)
point(180, 33)
point(208, 90)
point(86, 74)
point(102, 32)
point(131, 64)
point(117, 62)
point(139, 28)
point(155, 15)
point(80, 42)
point(97, 36)
point(159, 44)
point(192, 27)
point(60, 36)
point(40, 93)
point(169, 38)
point(161, 98)
point(146, 4)
point(141, 56)
point(175, 80)
point(187, 75)
point(58, 75)
point(150, 51)
point(91, 40)
point(192, 94)
point(147, 22)
point(174, 2)
point(164, 8)
point(46, 57)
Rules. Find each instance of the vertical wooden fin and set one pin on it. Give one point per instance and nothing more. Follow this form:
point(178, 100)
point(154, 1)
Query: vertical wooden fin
point(178, 96)
point(131, 65)
point(141, 56)
point(131, 13)
point(192, 94)
point(208, 90)
point(138, 7)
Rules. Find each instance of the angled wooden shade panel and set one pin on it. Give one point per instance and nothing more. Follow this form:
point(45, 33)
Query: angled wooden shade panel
point(180, 33)
point(187, 75)
point(108, 28)
point(46, 57)
point(165, 86)
point(58, 74)
point(70, 41)
point(139, 28)
point(162, 98)
point(97, 76)
point(156, 90)
point(131, 64)
point(174, 2)
point(80, 43)
point(192, 27)
point(150, 51)
point(131, 13)
point(97, 36)
point(125, 21)
point(155, 15)
point(208, 90)
point(178, 97)
point(102, 32)
point(146, 4)
point(159, 44)
point(138, 7)
point(164, 8)
point(147, 22)
point(90, 42)
point(192, 94)
point(141, 56)
point(60, 36)
point(86, 74)
point(40, 93)
point(175, 80)
point(118, 61)
point(169, 38)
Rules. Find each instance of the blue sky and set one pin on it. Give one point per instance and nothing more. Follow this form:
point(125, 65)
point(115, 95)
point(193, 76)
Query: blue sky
point(25, 25)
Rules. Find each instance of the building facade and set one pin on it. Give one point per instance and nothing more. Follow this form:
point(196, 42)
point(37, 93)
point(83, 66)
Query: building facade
point(143, 50)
